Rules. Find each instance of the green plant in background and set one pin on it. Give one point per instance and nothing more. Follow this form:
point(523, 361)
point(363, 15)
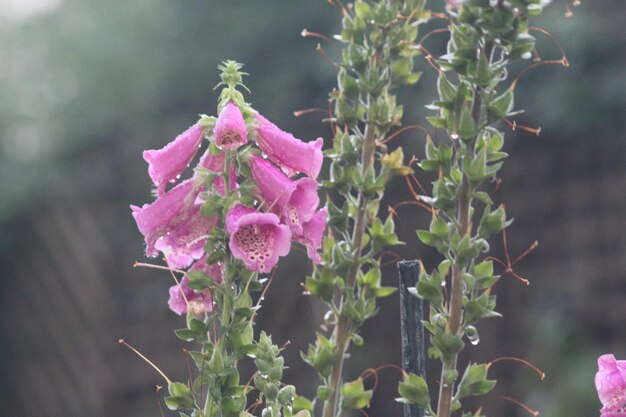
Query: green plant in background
point(376, 58)
point(485, 38)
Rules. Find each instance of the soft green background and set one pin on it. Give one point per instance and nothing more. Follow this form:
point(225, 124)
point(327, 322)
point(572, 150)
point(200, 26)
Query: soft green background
point(86, 85)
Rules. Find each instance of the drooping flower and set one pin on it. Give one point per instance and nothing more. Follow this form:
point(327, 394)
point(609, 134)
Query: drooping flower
point(295, 201)
point(167, 163)
point(184, 243)
point(165, 213)
point(611, 383)
point(257, 239)
point(230, 128)
point(199, 302)
point(312, 235)
point(291, 154)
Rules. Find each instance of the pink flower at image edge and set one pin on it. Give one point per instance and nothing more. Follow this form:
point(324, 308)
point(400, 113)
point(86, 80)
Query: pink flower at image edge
point(610, 382)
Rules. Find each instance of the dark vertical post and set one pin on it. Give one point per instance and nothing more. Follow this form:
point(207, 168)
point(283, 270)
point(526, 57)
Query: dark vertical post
point(411, 316)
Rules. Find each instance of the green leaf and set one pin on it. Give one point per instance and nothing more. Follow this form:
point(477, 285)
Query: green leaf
point(301, 403)
point(475, 382)
point(437, 122)
point(502, 104)
point(384, 291)
point(483, 73)
point(414, 390)
point(185, 334)
point(180, 396)
point(467, 126)
point(447, 91)
point(492, 222)
point(198, 280)
point(354, 396)
point(427, 238)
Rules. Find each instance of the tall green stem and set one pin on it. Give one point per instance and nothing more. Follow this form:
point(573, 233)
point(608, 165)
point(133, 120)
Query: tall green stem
point(456, 302)
point(342, 331)
point(464, 204)
point(226, 285)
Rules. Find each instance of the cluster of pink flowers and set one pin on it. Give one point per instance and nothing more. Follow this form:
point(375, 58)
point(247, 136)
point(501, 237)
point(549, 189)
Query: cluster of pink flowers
point(611, 386)
point(288, 211)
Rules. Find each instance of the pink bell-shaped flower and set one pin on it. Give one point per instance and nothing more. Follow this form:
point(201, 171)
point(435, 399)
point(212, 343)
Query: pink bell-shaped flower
point(295, 201)
point(257, 239)
point(291, 154)
point(611, 383)
point(184, 243)
point(166, 164)
point(165, 213)
point(181, 296)
point(312, 235)
point(230, 129)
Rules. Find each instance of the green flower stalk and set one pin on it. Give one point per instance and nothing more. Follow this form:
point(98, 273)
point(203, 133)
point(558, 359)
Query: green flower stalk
point(377, 57)
point(485, 38)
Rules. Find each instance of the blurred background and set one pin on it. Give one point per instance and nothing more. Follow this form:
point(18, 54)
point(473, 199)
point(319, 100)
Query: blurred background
point(86, 85)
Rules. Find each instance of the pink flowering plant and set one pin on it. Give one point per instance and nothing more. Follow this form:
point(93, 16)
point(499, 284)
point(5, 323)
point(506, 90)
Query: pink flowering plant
point(252, 194)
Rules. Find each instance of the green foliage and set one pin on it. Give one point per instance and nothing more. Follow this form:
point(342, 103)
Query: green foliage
point(414, 390)
point(377, 57)
point(486, 37)
point(354, 396)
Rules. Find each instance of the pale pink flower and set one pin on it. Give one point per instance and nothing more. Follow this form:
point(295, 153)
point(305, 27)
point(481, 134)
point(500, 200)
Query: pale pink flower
point(199, 302)
point(257, 239)
point(291, 154)
point(166, 164)
point(295, 201)
point(611, 383)
point(312, 235)
point(230, 128)
point(613, 414)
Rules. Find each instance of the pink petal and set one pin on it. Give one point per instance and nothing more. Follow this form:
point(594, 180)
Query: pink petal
point(156, 219)
point(313, 233)
point(610, 384)
point(257, 239)
point(214, 163)
point(184, 243)
point(275, 187)
point(291, 154)
point(181, 296)
point(302, 205)
point(230, 129)
point(167, 163)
